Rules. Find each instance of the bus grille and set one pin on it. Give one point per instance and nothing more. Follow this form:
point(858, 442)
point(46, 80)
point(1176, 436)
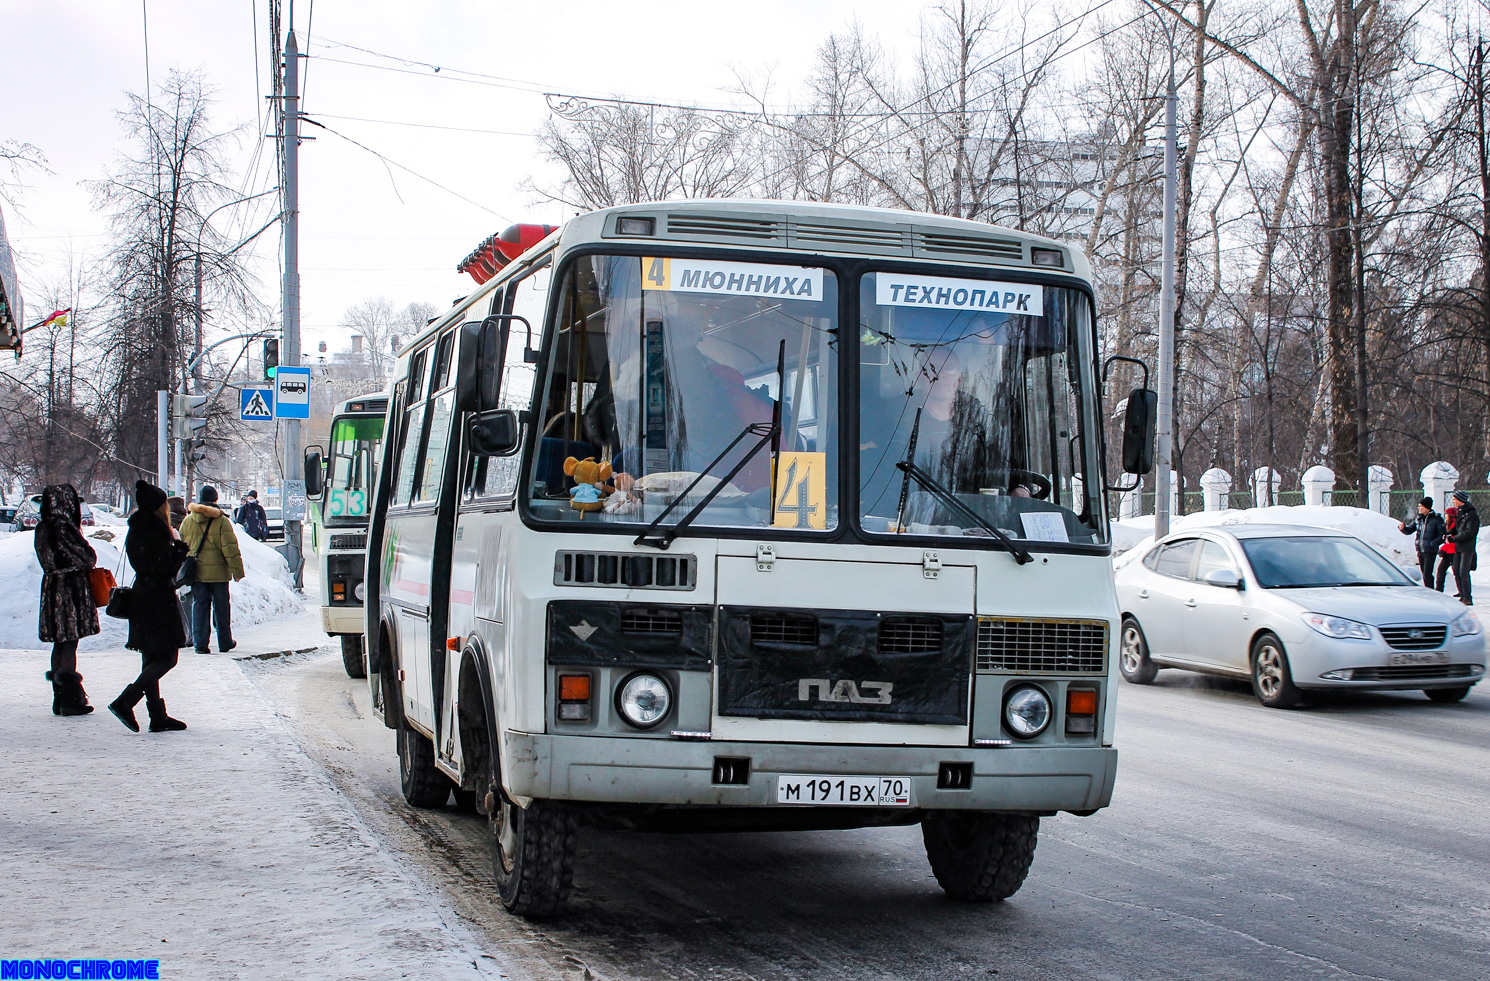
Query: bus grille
point(644, 620)
point(625, 570)
point(1424, 638)
point(1415, 672)
point(930, 243)
point(781, 628)
point(909, 635)
point(834, 237)
point(349, 542)
point(1042, 646)
point(755, 228)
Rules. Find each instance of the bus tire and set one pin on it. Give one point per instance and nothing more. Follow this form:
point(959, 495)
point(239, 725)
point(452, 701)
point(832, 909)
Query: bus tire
point(351, 656)
point(533, 855)
point(980, 856)
point(423, 785)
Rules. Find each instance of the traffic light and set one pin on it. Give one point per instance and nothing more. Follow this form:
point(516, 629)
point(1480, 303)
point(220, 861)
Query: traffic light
point(271, 358)
point(189, 415)
point(196, 450)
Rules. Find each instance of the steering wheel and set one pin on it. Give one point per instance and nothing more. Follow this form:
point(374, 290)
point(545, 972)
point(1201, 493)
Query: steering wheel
point(1039, 484)
point(557, 418)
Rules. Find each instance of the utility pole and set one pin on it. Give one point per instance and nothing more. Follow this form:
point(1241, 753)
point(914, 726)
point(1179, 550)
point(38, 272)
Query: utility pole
point(290, 347)
point(162, 438)
point(1164, 429)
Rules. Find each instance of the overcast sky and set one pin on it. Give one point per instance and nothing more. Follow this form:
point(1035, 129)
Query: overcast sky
point(365, 232)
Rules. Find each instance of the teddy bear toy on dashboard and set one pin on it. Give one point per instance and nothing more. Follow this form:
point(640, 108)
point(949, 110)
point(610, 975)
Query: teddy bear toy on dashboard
point(590, 488)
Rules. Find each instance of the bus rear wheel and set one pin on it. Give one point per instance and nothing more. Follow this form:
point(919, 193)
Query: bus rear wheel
point(980, 856)
point(422, 783)
point(351, 656)
point(533, 855)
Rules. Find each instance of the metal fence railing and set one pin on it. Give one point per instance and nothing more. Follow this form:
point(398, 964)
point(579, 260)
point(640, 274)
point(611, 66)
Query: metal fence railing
point(1401, 504)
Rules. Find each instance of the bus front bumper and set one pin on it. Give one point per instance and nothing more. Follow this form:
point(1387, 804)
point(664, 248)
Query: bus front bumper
point(342, 620)
point(666, 771)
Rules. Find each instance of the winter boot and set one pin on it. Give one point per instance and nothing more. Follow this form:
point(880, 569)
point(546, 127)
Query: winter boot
point(123, 707)
point(74, 698)
point(159, 721)
point(56, 694)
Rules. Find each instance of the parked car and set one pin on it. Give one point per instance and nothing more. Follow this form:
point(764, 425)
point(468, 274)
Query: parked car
point(275, 520)
point(28, 515)
point(7, 515)
point(1294, 610)
point(87, 515)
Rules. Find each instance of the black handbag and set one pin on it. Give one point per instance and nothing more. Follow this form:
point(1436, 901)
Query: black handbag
point(121, 598)
point(187, 574)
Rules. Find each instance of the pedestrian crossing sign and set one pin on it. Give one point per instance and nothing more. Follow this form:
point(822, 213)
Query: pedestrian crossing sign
point(256, 405)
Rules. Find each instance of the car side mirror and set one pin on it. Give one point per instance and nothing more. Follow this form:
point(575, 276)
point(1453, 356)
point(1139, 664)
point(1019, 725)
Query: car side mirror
point(315, 475)
point(1225, 578)
point(1139, 423)
point(495, 432)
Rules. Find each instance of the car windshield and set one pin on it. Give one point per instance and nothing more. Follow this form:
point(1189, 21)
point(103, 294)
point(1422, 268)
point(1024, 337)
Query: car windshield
point(1302, 561)
point(349, 471)
point(977, 383)
point(664, 380)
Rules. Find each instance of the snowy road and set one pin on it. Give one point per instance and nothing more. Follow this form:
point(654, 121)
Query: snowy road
point(1346, 841)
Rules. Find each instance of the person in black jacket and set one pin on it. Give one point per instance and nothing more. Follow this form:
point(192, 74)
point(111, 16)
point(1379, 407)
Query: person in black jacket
point(1430, 530)
point(1466, 531)
point(157, 627)
point(67, 612)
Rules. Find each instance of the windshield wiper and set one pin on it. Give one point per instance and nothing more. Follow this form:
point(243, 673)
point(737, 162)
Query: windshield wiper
point(1020, 553)
point(765, 430)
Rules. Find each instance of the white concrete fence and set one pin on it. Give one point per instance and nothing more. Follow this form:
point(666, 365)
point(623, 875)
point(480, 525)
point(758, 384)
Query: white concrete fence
point(1438, 482)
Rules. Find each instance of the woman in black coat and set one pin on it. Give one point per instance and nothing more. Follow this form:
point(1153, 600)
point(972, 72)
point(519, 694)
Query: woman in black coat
point(157, 628)
point(67, 612)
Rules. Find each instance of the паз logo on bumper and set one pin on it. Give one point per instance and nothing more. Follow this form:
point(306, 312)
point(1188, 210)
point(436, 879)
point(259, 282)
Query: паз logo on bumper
point(844, 691)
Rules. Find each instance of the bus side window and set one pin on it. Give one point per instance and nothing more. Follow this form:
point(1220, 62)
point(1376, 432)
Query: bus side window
point(411, 431)
point(440, 412)
point(526, 297)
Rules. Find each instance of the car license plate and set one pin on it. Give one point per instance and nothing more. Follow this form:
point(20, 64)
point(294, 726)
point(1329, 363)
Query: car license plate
point(860, 791)
point(1421, 657)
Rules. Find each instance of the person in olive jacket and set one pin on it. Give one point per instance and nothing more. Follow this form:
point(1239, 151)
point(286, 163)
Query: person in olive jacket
point(157, 628)
point(209, 534)
point(1466, 532)
point(67, 613)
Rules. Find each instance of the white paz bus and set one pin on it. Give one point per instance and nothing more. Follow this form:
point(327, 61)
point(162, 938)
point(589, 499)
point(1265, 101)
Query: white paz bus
point(719, 515)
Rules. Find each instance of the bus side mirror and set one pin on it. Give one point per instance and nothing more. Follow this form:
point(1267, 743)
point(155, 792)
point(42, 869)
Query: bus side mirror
point(495, 432)
point(468, 367)
point(315, 476)
point(1138, 431)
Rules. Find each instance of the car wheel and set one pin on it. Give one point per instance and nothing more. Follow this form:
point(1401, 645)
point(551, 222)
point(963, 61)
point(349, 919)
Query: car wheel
point(1447, 694)
point(1133, 655)
point(1272, 680)
point(980, 856)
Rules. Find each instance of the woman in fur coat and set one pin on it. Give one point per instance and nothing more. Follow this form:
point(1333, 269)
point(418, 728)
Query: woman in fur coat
point(68, 613)
point(157, 628)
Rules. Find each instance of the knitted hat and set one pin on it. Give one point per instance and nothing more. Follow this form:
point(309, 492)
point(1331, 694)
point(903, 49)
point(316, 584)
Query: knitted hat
point(208, 495)
point(1461, 496)
point(1427, 502)
point(148, 497)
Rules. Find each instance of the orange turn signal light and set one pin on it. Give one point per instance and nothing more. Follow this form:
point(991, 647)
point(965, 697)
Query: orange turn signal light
point(574, 688)
point(452, 643)
point(1081, 702)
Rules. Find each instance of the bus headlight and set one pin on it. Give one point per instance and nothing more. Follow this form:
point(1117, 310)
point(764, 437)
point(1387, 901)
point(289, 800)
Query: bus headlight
point(359, 592)
point(644, 700)
point(1027, 711)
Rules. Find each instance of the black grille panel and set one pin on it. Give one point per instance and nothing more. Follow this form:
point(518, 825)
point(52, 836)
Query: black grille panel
point(1042, 646)
point(644, 620)
point(1413, 672)
point(1421, 638)
point(909, 635)
point(349, 541)
point(770, 628)
point(625, 570)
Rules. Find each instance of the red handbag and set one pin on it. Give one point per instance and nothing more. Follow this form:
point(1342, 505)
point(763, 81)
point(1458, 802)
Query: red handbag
point(101, 581)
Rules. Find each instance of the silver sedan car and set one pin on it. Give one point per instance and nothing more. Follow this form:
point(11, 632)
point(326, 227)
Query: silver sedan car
point(1292, 609)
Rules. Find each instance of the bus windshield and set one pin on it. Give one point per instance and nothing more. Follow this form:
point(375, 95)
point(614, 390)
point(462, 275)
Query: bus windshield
point(976, 383)
point(349, 470)
point(664, 381)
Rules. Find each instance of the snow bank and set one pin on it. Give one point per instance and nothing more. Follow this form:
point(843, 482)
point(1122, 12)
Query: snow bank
point(1132, 536)
point(266, 592)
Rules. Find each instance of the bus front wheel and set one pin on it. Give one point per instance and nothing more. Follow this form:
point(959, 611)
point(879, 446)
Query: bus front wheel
point(532, 854)
point(980, 856)
point(352, 657)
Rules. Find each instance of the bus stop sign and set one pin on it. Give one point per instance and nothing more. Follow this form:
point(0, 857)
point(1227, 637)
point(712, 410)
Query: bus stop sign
point(292, 393)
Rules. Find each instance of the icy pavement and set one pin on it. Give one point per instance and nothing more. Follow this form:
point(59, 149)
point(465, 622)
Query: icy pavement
point(224, 851)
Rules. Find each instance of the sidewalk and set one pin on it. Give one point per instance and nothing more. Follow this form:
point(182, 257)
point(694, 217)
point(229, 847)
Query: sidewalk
point(223, 850)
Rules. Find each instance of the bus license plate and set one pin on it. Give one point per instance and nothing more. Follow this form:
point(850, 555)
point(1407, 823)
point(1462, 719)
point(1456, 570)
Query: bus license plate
point(858, 791)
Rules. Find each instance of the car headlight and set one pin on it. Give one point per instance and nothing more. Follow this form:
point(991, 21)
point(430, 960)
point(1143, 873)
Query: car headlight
point(1338, 627)
point(1027, 711)
point(644, 700)
point(1466, 624)
point(359, 591)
